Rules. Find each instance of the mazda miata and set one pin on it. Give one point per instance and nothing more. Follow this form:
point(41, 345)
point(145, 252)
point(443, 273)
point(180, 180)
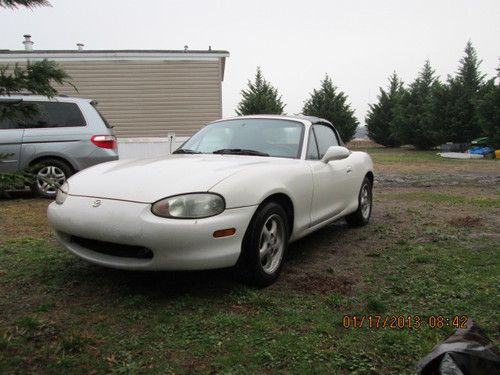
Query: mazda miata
point(234, 195)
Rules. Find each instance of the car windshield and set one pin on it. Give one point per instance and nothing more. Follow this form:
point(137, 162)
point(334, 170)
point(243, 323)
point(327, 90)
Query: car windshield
point(261, 137)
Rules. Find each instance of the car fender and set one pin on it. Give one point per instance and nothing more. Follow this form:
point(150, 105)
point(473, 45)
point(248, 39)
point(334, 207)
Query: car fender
point(293, 180)
point(362, 165)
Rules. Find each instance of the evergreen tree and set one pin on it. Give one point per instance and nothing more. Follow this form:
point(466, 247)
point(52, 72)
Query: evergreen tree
point(440, 109)
point(331, 105)
point(26, 3)
point(379, 120)
point(260, 98)
point(488, 111)
point(462, 123)
point(414, 120)
point(36, 78)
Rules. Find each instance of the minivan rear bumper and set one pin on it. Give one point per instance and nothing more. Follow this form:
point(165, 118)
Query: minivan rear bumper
point(99, 155)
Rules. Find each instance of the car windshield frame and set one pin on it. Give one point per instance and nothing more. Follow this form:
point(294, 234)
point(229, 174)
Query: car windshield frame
point(296, 122)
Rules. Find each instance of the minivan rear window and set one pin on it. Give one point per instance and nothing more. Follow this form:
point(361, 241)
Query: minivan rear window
point(53, 115)
point(103, 118)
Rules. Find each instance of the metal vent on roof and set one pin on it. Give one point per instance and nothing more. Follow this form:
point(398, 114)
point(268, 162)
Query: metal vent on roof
point(28, 43)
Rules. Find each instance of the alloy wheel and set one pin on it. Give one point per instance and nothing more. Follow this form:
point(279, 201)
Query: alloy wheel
point(272, 244)
point(49, 178)
point(365, 202)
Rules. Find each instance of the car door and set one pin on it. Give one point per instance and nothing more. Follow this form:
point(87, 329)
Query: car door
point(58, 129)
point(11, 137)
point(331, 180)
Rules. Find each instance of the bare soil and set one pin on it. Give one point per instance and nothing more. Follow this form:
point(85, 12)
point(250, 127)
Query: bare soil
point(60, 314)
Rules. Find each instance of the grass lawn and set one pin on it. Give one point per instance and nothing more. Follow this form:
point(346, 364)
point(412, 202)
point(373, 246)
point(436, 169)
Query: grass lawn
point(430, 250)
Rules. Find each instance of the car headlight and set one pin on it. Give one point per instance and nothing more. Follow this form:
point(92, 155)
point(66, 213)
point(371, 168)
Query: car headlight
point(190, 206)
point(62, 193)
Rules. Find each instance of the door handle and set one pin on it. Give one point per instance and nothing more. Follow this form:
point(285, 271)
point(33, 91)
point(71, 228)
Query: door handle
point(349, 169)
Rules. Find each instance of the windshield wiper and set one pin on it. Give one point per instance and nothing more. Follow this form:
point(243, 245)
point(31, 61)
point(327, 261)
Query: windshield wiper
point(185, 151)
point(240, 151)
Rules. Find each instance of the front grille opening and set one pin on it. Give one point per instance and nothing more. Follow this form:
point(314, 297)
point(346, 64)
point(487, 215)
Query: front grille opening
point(114, 249)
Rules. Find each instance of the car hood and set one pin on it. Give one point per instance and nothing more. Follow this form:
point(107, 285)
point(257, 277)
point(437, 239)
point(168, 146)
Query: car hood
point(148, 180)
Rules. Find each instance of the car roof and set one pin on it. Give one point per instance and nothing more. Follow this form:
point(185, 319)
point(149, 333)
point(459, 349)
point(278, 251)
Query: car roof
point(301, 118)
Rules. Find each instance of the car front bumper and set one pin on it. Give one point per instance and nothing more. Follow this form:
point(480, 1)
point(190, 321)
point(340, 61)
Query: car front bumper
point(176, 244)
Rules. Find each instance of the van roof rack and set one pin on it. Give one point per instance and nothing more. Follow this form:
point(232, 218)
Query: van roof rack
point(24, 93)
point(11, 100)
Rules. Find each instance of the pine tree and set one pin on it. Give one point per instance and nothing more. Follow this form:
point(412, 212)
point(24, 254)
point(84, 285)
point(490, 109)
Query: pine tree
point(440, 109)
point(462, 123)
point(331, 105)
point(379, 120)
point(36, 78)
point(414, 120)
point(488, 111)
point(25, 3)
point(260, 98)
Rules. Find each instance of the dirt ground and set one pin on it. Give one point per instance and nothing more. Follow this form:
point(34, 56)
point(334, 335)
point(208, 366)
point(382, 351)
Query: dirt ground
point(398, 206)
point(327, 248)
point(431, 247)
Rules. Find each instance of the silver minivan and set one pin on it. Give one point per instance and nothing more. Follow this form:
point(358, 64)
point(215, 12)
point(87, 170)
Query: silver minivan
point(64, 136)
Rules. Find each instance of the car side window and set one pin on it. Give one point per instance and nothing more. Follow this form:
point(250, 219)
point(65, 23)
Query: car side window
point(54, 115)
point(326, 138)
point(312, 147)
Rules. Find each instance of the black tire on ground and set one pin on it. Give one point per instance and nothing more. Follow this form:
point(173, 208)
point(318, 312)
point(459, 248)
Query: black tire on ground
point(362, 215)
point(264, 249)
point(54, 170)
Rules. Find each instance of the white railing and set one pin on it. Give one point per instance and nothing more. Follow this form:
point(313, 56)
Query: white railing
point(136, 148)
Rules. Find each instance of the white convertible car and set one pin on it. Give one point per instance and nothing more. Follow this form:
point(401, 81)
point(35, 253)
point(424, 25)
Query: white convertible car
point(234, 195)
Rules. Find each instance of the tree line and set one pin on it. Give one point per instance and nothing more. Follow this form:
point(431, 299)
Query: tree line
point(429, 112)
point(424, 114)
point(326, 102)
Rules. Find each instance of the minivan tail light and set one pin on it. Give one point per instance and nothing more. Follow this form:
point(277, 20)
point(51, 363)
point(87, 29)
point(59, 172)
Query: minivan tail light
point(104, 141)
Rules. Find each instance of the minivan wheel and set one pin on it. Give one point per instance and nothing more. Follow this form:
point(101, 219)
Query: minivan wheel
point(50, 174)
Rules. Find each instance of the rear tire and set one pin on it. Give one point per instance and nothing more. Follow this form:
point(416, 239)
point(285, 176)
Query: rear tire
point(362, 215)
point(264, 247)
point(49, 174)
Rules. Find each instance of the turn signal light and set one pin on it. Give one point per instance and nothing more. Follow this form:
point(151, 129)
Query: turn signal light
point(224, 232)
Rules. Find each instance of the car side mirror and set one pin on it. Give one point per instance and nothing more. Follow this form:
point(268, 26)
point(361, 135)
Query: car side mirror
point(335, 153)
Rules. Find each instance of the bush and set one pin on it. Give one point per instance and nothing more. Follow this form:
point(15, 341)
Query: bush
point(14, 180)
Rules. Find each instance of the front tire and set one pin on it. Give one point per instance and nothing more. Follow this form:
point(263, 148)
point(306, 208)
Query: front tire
point(49, 175)
point(362, 215)
point(264, 246)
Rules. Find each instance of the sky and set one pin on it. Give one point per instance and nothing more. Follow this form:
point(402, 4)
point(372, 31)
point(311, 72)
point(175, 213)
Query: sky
point(358, 43)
